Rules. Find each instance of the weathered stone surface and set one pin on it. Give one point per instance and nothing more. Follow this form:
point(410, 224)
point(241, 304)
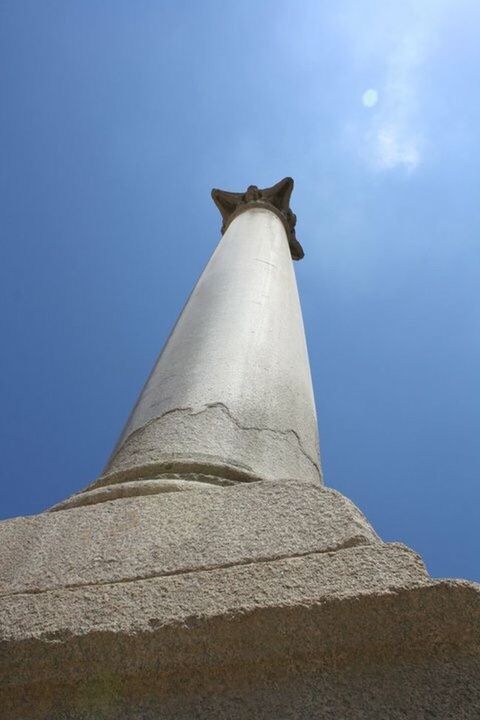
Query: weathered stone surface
point(211, 440)
point(441, 688)
point(176, 532)
point(138, 488)
point(175, 608)
point(247, 640)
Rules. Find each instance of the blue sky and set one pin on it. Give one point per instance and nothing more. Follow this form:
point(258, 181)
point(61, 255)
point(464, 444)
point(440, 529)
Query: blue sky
point(116, 120)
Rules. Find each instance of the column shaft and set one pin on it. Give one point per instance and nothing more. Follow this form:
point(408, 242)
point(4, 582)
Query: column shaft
point(230, 397)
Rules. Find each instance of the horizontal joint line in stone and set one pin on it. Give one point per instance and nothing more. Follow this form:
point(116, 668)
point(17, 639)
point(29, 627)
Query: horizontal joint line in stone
point(355, 541)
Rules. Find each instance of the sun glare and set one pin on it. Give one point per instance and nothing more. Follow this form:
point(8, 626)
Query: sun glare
point(370, 98)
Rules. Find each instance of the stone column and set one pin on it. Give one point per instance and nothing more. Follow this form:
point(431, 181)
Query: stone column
point(262, 600)
point(230, 398)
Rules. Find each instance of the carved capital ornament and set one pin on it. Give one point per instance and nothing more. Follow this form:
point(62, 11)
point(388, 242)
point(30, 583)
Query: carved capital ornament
point(276, 199)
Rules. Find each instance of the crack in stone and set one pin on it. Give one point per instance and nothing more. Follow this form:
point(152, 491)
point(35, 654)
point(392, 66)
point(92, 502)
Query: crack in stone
point(222, 406)
point(355, 541)
point(265, 262)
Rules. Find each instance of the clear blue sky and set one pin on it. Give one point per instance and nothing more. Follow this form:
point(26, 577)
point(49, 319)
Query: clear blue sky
point(117, 118)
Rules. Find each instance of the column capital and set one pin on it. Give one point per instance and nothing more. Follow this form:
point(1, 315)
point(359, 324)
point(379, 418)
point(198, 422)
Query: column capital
point(275, 198)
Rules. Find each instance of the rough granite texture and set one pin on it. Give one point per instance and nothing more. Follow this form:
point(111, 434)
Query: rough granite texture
point(232, 641)
point(259, 600)
point(439, 688)
point(165, 622)
point(176, 532)
point(137, 488)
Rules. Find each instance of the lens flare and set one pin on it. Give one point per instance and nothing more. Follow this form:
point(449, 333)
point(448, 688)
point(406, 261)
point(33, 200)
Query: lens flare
point(370, 98)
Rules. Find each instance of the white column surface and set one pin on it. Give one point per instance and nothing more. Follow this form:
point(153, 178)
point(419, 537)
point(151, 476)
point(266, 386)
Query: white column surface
point(236, 360)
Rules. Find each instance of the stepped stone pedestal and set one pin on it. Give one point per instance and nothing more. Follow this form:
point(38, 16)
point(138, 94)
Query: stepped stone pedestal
point(208, 573)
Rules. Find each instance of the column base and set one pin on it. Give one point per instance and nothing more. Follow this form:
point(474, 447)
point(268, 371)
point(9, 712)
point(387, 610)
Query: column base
point(271, 600)
point(142, 488)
